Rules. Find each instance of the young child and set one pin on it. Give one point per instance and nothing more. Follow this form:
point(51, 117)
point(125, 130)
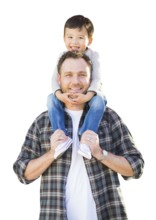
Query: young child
point(78, 35)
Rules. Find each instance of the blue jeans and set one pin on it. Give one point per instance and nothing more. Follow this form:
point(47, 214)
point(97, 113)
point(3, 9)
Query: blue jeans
point(93, 117)
point(56, 113)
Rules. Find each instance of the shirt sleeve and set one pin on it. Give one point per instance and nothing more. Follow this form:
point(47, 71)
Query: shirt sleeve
point(54, 82)
point(124, 146)
point(30, 150)
point(96, 82)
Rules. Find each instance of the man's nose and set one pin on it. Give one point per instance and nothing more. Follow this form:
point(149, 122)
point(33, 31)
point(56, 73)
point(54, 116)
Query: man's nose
point(75, 79)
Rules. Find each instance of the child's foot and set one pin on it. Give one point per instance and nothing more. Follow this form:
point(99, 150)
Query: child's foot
point(61, 148)
point(85, 151)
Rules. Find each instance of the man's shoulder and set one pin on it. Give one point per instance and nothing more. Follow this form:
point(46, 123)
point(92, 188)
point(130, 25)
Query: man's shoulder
point(42, 115)
point(42, 118)
point(111, 115)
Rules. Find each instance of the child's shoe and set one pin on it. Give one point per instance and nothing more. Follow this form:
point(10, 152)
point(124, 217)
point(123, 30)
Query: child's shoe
point(61, 148)
point(84, 150)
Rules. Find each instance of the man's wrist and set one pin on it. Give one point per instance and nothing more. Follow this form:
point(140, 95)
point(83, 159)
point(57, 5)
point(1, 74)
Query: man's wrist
point(103, 155)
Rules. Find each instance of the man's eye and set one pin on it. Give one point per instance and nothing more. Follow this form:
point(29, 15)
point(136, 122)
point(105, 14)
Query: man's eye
point(83, 75)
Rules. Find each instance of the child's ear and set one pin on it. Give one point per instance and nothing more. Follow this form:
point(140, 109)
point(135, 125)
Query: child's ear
point(90, 41)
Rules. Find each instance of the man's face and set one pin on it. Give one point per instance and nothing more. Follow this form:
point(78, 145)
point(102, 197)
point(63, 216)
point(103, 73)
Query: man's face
point(74, 76)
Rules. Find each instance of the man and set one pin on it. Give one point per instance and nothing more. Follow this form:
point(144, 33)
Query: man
point(73, 187)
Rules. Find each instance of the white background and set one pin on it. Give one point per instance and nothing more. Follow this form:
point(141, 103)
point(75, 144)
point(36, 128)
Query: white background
point(31, 37)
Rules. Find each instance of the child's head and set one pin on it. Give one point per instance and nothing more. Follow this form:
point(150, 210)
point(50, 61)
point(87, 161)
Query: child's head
point(78, 33)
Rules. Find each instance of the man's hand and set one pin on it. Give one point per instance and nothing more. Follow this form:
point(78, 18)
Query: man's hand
point(119, 164)
point(58, 137)
point(91, 139)
point(37, 166)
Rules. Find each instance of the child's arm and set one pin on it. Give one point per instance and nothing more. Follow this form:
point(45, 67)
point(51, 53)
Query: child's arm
point(63, 97)
point(79, 98)
point(89, 95)
point(96, 82)
point(55, 85)
point(82, 98)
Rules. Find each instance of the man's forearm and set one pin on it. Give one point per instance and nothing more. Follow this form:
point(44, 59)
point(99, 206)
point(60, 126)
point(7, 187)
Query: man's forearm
point(37, 166)
point(118, 164)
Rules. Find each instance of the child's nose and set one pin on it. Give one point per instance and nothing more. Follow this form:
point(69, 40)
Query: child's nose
point(74, 41)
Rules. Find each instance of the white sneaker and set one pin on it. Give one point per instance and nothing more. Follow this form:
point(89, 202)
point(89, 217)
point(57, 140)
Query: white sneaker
point(61, 148)
point(85, 151)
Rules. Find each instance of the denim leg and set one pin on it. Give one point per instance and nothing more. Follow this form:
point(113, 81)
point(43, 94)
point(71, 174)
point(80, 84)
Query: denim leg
point(94, 115)
point(56, 113)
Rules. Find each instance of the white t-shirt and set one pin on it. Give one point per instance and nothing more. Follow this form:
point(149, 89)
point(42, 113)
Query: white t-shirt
point(79, 199)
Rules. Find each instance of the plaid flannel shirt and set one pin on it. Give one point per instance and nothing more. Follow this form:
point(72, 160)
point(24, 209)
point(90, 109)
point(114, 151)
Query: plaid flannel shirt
point(114, 137)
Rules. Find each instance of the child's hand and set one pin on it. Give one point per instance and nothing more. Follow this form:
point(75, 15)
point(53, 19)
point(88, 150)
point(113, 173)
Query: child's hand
point(65, 98)
point(79, 98)
point(74, 98)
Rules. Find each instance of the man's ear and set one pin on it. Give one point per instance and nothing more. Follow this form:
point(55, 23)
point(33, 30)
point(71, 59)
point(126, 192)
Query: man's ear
point(58, 78)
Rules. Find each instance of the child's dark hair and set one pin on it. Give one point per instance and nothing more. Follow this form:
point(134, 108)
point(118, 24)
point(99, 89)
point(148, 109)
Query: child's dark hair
point(79, 21)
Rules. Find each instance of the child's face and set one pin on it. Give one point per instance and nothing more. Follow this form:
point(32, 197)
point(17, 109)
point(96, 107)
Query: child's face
point(76, 39)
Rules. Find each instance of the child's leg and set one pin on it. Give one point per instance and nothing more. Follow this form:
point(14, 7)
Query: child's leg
point(56, 116)
point(56, 113)
point(92, 120)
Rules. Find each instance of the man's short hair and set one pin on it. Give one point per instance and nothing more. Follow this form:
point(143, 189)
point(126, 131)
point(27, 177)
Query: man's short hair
point(74, 55)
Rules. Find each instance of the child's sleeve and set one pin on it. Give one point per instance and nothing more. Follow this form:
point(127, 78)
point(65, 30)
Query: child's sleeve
point(54, 82)
point(96, 83)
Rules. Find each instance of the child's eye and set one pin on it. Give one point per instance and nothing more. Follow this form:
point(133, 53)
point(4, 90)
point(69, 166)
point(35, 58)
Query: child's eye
point(70, 37)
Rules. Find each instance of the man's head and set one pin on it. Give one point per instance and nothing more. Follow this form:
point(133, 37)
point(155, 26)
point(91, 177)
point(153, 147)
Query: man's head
point(78, 33)
point(74, 73)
